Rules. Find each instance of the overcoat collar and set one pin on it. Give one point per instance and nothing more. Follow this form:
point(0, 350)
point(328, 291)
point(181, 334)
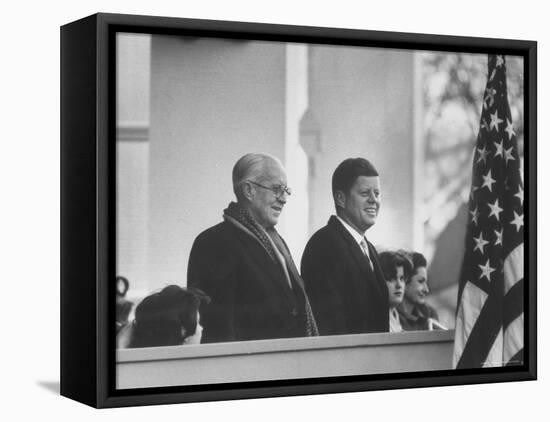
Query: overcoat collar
point(260, 255)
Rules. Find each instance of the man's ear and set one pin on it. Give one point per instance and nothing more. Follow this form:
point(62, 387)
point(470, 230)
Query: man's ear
point(248, 191)
point(340, 199)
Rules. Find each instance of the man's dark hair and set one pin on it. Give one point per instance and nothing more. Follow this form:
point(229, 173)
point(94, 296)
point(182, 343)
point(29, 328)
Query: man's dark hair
point(348, 171)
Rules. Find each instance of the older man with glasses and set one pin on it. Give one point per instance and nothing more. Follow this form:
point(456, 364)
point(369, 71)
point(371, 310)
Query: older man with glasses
point(244, 265)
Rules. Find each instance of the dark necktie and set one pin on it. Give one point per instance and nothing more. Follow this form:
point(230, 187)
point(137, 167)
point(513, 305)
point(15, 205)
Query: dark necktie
point(365, 249)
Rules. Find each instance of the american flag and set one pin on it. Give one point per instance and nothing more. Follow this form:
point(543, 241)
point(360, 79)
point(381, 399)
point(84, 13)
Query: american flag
point(489, 324)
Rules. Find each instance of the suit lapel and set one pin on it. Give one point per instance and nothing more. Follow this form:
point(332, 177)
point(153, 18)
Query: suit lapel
point(354, 249)
point(260, 256)
point(359, 256)
point(291, 267)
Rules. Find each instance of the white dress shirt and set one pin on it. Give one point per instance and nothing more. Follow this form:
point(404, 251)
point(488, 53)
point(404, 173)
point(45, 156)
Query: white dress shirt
point(395, 324)
point(358, 238)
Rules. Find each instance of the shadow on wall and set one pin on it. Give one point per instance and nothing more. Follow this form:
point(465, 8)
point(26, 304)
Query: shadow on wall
point(445, 267)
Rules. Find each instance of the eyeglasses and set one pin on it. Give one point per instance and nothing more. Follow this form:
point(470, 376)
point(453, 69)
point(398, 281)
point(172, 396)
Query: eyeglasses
point(278, 190)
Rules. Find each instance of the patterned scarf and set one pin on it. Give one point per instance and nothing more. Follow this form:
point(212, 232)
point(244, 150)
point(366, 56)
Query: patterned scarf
point(244, 217)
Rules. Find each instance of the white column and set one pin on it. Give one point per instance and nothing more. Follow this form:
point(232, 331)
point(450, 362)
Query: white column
point(294, 222)
point(132, 160)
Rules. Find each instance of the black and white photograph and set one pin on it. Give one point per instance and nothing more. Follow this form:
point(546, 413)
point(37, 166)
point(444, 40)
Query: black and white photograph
point(300, 210)
point(275, 211)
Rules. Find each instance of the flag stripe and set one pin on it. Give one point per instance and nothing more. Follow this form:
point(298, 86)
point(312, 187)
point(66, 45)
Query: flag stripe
point(513, 338)
point(513, 304)
point(472, 300)
point(494, 357)
point(482, 340)
point(517, 359)
point(513, 268)
point(483, 334)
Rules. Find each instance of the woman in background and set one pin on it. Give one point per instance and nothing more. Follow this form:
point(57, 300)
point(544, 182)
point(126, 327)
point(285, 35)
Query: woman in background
point(169, 317)
point(396, 268)
point(414, 313)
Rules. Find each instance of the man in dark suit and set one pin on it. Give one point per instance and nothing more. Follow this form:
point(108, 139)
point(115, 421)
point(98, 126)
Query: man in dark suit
point(340, 267)
point(244, 265)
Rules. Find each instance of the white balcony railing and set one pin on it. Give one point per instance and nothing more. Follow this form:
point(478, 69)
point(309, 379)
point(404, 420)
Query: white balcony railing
point(284, 359)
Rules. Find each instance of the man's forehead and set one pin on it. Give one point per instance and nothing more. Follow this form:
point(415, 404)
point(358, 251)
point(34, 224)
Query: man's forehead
point(368, 181)
point(273, 172)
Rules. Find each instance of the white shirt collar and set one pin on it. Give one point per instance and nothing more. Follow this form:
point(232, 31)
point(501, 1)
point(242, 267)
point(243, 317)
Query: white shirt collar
point(357, 236)
point(395, 324)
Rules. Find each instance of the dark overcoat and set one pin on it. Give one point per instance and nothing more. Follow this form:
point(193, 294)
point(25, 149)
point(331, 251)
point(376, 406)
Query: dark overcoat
point(346, 295)
point(251, 298)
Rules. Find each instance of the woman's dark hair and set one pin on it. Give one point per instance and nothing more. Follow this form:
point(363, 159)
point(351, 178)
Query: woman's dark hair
point(124, 281)
point(390, 261)
point(160, 317)
point(418, 260)
point(348, 171)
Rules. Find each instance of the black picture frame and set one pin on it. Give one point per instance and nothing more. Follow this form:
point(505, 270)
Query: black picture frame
point(88, 213)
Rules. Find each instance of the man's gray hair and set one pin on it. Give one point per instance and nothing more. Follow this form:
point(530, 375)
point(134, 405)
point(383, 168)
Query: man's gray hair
point(249, 166)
